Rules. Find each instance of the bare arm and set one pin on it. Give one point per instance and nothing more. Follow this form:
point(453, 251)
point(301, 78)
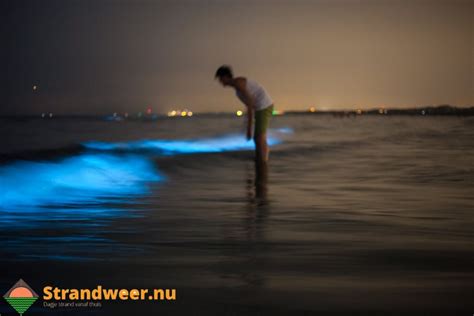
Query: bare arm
point(249, 102)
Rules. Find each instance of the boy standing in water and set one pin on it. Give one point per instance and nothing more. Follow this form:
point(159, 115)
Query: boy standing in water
point(259, 105)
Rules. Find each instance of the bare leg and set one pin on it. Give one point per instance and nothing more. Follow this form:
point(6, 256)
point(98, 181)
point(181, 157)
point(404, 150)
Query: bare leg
point(265, 148)
point(261, 148)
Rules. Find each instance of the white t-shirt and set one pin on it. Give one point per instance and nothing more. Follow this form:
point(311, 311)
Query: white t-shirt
point(261, 97)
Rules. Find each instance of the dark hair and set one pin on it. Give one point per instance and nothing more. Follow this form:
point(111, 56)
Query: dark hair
point(224, 70)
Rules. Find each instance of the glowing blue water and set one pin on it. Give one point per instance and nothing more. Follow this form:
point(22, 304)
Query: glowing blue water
point(83, 187)
point(83, 179)
point(231, 142)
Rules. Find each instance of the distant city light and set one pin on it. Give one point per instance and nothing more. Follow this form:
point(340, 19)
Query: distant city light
point(239, 113)
point(182, 113)
point(50, 115)
point(312, 109)
point(35, 87)
point(148, 111)
point(359, 111)
point(277, 112)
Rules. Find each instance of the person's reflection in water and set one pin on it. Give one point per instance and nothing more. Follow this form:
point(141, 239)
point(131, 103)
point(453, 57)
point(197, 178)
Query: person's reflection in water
point(256, 212)
point(261, 180)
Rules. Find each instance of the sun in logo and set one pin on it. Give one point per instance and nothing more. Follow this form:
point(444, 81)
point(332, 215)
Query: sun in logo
point(21, 296)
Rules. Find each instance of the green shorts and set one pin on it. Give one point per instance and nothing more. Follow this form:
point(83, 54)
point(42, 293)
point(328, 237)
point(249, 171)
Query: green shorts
point(262, 120)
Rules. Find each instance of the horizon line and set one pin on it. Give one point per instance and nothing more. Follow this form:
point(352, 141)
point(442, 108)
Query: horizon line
point(312, 110)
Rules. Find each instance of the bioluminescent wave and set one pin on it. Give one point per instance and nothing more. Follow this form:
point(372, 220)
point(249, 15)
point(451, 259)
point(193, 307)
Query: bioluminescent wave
point(89, 188)
point(205, 145)
point(83, 179)
point(93, 178)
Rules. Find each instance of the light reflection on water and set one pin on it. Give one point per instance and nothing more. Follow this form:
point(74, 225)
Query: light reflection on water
point(50, 205)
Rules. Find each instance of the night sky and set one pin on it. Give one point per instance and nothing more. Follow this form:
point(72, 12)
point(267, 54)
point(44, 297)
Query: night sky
point(117, 56)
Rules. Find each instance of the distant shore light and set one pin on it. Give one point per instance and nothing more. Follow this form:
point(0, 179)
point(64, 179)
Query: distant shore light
point(190, 113)
point(312, 109)
point(239, 113)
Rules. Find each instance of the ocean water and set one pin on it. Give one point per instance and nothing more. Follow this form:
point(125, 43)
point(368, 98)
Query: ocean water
point(366, 215)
